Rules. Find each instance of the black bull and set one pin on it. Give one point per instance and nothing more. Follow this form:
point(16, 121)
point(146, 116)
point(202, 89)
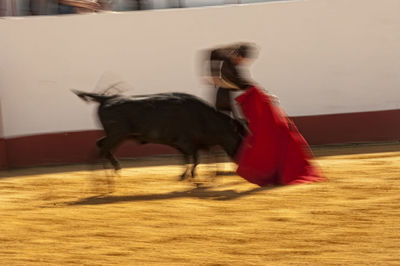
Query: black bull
point(179, 120)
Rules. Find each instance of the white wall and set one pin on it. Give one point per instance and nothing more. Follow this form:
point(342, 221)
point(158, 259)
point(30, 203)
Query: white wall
point(318, 56)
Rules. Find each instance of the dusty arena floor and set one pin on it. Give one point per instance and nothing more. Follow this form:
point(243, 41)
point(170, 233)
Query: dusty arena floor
point(72, 216)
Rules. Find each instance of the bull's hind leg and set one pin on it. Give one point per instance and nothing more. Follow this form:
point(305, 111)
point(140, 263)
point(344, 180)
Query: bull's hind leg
point(113, 161)
point(106, 144)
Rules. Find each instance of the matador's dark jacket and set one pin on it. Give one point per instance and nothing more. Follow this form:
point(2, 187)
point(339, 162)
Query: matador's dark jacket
point(222, 66)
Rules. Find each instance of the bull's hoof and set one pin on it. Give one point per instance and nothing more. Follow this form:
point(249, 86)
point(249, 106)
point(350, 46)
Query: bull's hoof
point(183, 176)
point(117, 167)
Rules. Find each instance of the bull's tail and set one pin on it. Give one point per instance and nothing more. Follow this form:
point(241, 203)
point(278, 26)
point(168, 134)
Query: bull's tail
point(92, 97)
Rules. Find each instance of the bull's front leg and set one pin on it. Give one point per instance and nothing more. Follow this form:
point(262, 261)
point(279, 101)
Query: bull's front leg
point(186, 161)
point(113, 161)
point(195, 163)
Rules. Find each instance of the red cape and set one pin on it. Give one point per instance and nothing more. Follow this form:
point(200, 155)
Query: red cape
point(274, 153)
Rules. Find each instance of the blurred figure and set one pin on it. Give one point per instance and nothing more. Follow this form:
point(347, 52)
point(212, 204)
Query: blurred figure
point(273, 152)
point(82, 6)
point(128, 5)
point(225, 67)
point(175, 4)
point(7, 8)
point(41, 7)
point(140, 4)
point(226, 71)
point(27, 7)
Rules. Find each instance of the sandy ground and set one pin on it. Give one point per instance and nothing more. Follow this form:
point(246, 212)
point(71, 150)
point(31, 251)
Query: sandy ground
point(72, 216)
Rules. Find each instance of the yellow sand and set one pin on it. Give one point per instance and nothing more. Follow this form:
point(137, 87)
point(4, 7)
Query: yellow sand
point(73, 216)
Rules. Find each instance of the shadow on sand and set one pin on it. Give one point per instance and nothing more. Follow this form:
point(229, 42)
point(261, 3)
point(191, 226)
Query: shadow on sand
point(200, 192)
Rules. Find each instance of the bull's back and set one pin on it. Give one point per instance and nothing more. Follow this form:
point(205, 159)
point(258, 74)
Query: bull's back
point(165, 118)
